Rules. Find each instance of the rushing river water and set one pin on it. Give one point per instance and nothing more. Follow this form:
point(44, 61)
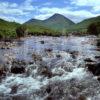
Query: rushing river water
point(60, 75)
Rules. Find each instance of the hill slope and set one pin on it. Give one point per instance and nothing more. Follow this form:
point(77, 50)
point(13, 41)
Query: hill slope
point(7, 29)
point(82, 26)
point(56, 22)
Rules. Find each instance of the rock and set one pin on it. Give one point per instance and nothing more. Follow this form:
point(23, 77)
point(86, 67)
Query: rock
point(98, 78)
point(82, 97)
point(74, 54)
point(94, 68)
point(49, 98)
point(36, 57)
point(45, 71)
point(20, 97)
point(48, 90)
point(42, 42)
point(98, 42)
point(97, 57)
point(2, 70)
point(18, 67)
point(58, 56)
point(88, 60)
point(14, 89)
point(48, 50)
point(17, 70)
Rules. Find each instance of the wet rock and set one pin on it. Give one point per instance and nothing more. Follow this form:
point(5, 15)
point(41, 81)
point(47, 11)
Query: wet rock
point(74, 54)
point(31, 62)
point(98, 78)
point(82, 97)
point(48, 90)
point(14, 89)
point(20, 97)
point(45, 71)
point(36, 57)
point(49, 98)
point(17, 70)
point(18, 67)
point(58, 56)
point(94, 68)
point(42, 42)
point(88, 60)
point(98, 42)
point(48, 50)
point(97, 57)
point(2, 70)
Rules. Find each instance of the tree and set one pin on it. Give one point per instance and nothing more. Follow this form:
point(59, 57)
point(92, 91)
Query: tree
point(21, 31)
point(94, 28)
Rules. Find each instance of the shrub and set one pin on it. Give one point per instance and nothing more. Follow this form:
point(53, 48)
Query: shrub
point(21, 31)
point(94, 28)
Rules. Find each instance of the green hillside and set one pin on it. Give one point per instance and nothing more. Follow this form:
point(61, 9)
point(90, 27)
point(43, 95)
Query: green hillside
point(82, 26)
point(56, 25)
point(56, 22)
point(7, 29)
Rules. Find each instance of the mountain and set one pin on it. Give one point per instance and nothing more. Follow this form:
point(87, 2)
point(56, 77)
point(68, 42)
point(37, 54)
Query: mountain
point(56, 22)
point(34, 22)
point(84, 24)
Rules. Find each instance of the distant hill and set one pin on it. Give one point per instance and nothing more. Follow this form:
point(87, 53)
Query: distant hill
point(55, 25)
point(84, 24)
point(56, 22)
point(7, 29)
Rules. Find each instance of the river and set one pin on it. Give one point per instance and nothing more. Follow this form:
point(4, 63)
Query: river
point(55, 69)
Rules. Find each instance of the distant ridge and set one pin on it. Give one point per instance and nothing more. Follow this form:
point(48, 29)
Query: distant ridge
point(56, 22)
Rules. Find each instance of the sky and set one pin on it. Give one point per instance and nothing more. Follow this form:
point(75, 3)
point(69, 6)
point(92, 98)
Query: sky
point(23, 10)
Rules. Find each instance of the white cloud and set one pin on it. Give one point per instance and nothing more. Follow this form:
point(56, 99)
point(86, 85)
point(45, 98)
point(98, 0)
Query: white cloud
point(12, 18)
point(26, 10)
point(94, 4)
point(96, 8)
point(15, 9)
point(42, 16)
point(27, 5)
point(76, 16)
point(86, 2)
point(47, 4)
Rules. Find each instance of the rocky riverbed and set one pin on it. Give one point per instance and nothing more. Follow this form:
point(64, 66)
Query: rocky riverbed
point(51, 68)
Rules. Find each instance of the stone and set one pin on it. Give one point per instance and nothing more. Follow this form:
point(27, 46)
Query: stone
point(94, 68)
point(42, 42)
point(74, 54)
point(18, 67)
point(48, 50)
point(45, 71)
point(88, 60)
point(14, 89)
point(2, 70)
point(82, 97)
point(36, 57)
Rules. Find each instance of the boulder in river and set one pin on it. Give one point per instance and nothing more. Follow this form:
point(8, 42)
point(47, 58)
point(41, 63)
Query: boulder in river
point(18, 67)
point(88, 60)
point(45, 71)
point(74, 54)
point(2, 70)
point(94, 68)
point(48, 50)
point(42, 42)
point(36, 57)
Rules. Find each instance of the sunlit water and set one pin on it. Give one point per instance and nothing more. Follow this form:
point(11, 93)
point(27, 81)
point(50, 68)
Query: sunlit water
point(71, 79)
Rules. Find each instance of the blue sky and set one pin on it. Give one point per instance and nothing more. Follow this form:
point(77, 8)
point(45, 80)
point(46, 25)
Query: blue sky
point(23, 10)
